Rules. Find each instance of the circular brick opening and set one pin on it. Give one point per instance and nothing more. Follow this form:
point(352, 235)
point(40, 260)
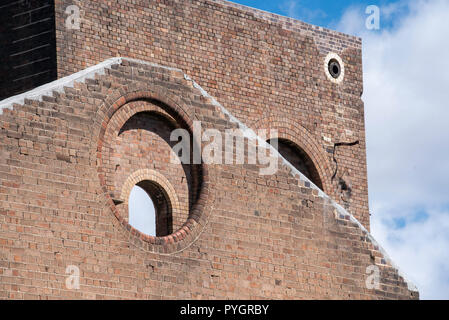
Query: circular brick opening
point(334, 68)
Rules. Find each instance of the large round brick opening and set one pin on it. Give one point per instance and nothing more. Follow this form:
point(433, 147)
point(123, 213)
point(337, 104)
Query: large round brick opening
point(139, 152)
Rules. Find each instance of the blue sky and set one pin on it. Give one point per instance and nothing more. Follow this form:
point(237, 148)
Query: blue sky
point(406, 82)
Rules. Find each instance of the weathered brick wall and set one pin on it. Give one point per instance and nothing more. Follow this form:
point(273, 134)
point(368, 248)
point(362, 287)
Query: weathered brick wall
point(246, 236)
point(266, 69)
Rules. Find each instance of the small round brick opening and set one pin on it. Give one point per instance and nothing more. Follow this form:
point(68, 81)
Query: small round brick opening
point(334, 68)
point(164, 198)
point(150, 209)
point(142, 212)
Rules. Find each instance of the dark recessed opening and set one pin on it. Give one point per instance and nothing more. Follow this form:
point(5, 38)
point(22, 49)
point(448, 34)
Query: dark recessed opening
point(334, 68)
point(299, 159)
point(151, 216)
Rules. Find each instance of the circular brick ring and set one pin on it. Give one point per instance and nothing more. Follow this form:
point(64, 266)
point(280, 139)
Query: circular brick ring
point(333, 59)
point(294, 132)
point(199, 213)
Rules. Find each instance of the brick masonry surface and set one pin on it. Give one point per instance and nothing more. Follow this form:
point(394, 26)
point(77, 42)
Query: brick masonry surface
point(247, 236)
point(69, 159)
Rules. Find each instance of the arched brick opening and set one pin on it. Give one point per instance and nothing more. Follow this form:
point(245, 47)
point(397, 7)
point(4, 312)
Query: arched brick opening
point(162, 205)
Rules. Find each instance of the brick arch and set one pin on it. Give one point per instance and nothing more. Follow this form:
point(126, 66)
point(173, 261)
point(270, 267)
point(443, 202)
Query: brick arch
point(291, 131)
point(147, 175)
point(179, 112)
point(119, 119)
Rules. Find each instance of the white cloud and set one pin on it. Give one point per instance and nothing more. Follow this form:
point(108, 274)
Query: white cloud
point(406, 80)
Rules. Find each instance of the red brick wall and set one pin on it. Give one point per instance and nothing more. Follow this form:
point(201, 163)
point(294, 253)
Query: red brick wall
point(267, 70)
point(246, 235)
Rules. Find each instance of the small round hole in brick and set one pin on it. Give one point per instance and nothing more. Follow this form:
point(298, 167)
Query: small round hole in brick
point(150, 210)
point(334, 68)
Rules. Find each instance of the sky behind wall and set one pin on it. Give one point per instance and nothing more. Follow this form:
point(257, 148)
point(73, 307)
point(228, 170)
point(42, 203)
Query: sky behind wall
point(406, 94)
